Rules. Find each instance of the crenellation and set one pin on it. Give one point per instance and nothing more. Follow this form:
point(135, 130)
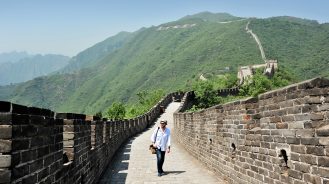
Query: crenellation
point(40, 146)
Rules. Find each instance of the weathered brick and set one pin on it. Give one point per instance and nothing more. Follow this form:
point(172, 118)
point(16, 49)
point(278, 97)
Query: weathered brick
point(295, 174)
point(287, 132)
point(321, 171)
point(5, 176)
point(316, 116)
point(324, 107)
point(31, 179)
point(323, 131)
point(302, 117)
point(305, 168)
point(315, 150)
point(293, 140)
point(310, 141)
point(296, 125)
point(20, 144)
point(312, 178)
point(305, 133)
point(5, 161)
point(298, 149)
point(5, 131)
point(288, 118)
point(309, 159)
point(294, 156)
point(324, 141)
point(280, 125)
point(5, 146)
point(323, 161)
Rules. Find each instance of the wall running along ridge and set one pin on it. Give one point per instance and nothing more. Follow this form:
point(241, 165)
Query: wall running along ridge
point(278, 137)
point(40, 146)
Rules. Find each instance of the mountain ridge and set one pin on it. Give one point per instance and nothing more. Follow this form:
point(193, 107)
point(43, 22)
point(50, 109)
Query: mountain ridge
point(171, 59)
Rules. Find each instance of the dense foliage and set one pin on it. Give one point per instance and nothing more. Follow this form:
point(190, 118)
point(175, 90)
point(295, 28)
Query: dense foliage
point(260, 83)
point(117, 111)
point(206, 91)
point(146, 100)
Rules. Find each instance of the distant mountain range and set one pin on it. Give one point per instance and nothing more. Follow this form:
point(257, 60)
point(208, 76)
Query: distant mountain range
point(16, 67)
point(171, 56)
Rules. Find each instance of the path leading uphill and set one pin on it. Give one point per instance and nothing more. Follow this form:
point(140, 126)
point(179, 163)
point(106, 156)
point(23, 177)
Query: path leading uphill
point(134, 164)
point(257, 41)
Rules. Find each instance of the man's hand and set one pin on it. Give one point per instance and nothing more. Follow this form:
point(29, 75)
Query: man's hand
point(154, 145)
point(168, 150)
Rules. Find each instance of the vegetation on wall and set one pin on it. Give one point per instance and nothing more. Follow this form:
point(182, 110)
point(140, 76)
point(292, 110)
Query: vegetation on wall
point(206, 91)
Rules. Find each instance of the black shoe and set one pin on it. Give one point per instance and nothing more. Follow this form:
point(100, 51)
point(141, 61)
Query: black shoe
point(159, 174)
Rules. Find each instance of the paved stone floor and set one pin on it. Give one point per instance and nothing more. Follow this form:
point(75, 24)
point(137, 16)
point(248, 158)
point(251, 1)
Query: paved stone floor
point(134, 164)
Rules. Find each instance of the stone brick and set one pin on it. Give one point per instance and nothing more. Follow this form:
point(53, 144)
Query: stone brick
point(298, 149)
point(324, 141)
point(20, 171)
point(316, 116)
point(310, 141)
point(305, 168)
point(31, 179)
point(5, 176)
point(21, 144)
point(5, 146)
point(294, 156)
point(296, 125)
point(323, 161)
point(313, 100)
point(5, 131)
point(309, 159)
point(302, 117)
point(312, 178)
point(315, 150)
point(287, 133)
point(280, 125)
point(293, 140)
point(324, 107)
point(5, 161)
point(288, 118)
point(323, 131)
point(305, 133)
point(321, 171)
point(295, 174)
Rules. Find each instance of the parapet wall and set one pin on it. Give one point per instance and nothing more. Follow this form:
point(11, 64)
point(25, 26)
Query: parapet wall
point(40, 146)
point(279, 137)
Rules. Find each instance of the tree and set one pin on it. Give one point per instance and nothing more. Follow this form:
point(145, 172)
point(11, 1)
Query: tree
point(117, 111)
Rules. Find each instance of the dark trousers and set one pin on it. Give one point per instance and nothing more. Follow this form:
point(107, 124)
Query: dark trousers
point(160, 159)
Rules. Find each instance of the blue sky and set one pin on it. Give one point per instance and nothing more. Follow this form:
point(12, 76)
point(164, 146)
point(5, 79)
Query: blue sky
point(69, 26)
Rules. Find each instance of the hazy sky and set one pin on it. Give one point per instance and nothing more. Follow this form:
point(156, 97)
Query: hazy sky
point(69, 26)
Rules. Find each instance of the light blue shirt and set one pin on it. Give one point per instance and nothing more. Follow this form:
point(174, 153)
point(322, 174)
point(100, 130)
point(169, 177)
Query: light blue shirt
point(162, 138)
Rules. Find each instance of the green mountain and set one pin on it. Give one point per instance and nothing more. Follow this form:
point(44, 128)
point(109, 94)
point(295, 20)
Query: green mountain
point(90, 56)
point(172, 55)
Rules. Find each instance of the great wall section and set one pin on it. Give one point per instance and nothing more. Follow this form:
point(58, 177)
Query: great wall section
point(41, 146)
point(281, 136)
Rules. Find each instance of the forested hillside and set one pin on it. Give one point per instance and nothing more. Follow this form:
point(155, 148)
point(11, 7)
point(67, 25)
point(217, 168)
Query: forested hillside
point(172, 55)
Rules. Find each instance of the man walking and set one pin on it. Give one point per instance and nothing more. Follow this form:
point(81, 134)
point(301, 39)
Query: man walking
point(161, 140)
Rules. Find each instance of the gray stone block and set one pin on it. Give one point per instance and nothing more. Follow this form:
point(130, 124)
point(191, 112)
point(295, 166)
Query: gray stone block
point(5, 131)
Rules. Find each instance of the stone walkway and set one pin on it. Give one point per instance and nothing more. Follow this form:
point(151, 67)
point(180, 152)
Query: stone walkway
point(134, 164)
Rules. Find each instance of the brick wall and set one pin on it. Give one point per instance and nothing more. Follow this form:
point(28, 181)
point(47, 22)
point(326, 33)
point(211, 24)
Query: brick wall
point(279, 137)
point(40, 146)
